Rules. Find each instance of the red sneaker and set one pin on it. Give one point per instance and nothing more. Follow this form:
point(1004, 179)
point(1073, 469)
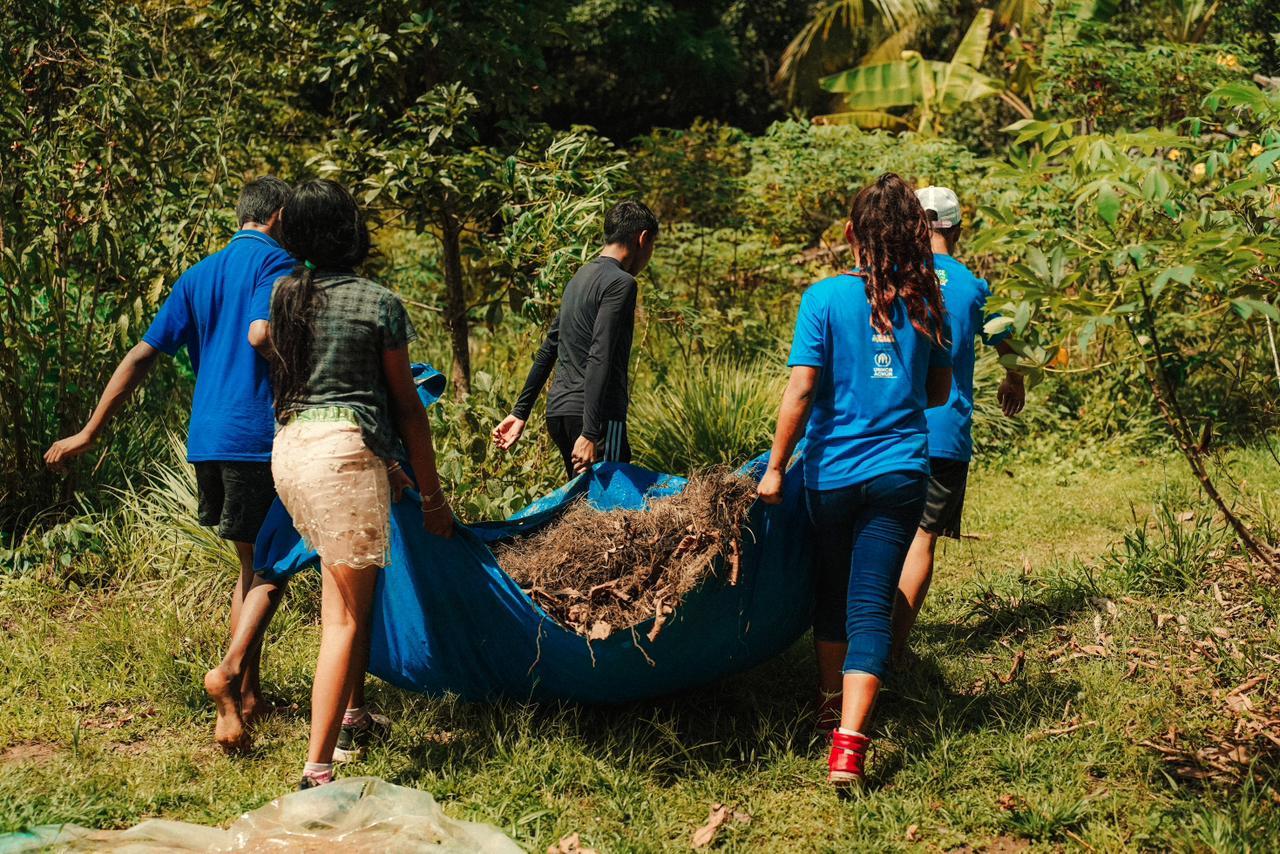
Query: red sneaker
point(848, 754)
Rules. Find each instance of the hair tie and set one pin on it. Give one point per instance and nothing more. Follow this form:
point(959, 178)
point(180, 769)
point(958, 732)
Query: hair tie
point(308, 265)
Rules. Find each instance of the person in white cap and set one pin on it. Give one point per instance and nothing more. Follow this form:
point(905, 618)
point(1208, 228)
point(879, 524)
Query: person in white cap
point(950, 425)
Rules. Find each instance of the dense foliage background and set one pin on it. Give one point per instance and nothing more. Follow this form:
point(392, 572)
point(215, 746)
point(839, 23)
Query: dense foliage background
point(1117, 160)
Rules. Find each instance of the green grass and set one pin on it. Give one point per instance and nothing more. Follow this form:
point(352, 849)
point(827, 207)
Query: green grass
point(104, 722)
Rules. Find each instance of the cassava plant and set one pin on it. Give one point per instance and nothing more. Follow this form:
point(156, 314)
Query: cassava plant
point(1153, 246)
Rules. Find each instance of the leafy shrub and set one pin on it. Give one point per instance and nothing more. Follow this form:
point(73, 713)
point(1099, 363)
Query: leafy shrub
point(730, 290)
point(1115, 86)
point(803, 176)
point(59, 550)
point(714, 412)
point(481, 481)
point(121, 133)
point(692, 175)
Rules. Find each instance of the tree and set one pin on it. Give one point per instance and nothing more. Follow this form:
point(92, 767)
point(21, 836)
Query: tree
point(937, 88)
point(832, 28)
point(1151, 246)
point(429, 170)
point(422, 97)
point(693, 176)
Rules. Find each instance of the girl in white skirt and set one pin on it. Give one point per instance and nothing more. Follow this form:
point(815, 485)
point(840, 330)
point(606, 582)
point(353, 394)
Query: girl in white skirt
point(349, 414)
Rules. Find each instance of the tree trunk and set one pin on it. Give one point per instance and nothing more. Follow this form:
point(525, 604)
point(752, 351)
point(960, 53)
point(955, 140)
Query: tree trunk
point(456, 306)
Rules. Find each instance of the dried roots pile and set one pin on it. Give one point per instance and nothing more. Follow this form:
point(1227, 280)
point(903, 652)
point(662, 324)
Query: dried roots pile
point(599, 571)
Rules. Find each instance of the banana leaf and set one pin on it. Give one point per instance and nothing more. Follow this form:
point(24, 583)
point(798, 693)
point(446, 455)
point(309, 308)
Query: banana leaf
point(865, 119)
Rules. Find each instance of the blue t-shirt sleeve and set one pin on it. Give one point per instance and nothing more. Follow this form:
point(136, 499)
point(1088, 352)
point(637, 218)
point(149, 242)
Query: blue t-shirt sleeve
point(174, 325)
point(809, 343)
point(276, 265)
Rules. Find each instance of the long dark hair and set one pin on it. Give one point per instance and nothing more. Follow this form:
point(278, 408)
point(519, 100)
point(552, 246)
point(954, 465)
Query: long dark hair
point(321, 226)
point(891, 232)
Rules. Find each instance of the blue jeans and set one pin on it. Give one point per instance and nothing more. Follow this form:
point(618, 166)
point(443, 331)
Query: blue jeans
point(861, 537)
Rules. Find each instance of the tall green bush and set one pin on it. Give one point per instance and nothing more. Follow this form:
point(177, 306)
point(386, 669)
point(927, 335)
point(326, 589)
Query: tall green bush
point(1114, 85)
point(803, 176)
point(124, 144)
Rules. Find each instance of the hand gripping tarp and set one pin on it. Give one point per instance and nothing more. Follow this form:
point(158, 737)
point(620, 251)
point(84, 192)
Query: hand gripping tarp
point(447, 619)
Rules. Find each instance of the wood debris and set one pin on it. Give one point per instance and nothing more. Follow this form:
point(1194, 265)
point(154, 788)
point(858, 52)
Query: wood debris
point(597, 572)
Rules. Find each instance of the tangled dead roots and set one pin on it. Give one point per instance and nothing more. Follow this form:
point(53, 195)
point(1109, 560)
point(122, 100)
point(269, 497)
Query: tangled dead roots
point(596, 572)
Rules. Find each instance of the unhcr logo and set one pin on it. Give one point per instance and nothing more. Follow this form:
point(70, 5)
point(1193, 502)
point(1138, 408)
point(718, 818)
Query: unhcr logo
point(884, 366)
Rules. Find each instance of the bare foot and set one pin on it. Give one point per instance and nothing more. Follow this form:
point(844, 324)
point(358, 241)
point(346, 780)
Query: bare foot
point(229, 730)
point(252, 707)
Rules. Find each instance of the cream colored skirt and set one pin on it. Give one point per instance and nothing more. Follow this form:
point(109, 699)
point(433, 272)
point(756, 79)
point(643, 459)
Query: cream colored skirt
point(335, 488)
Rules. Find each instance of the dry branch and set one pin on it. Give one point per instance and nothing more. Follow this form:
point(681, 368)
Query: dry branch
point(597, 572)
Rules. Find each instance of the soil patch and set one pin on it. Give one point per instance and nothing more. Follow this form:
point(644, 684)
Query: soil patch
point(28, 753)
point(597, 571)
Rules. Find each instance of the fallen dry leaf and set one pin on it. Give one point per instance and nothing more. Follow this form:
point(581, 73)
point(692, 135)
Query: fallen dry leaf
point(1246, 685)
point(571, 844)
point(705, 835)
point(1018, 661)
point(1239, 703)
point(913, 833)
point(1007, 801)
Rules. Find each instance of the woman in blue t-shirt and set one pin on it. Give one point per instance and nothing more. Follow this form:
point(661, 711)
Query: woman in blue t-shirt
point(867, 358)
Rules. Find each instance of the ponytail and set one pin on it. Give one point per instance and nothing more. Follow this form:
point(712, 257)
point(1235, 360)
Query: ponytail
point(896, 256)
point(294, 306)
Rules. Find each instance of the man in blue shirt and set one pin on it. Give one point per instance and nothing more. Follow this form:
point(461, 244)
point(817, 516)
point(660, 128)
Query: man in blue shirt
point(219, 310)
point(950, 426)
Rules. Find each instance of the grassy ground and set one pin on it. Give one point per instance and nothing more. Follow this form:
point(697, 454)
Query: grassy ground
point(1051, 649)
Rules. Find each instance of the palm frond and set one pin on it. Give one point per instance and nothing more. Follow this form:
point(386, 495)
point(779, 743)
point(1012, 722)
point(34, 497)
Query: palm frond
point(891, 48)
point(1020, 13)
point(848, 16)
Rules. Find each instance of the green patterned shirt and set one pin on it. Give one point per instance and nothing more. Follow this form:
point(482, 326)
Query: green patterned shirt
point(358, 321)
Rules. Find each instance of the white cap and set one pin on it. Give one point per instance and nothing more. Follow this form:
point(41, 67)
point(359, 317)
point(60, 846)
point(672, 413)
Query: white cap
point(943, 202)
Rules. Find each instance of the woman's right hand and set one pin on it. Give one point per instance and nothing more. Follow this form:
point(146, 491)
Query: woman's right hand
point(770, 489)
point(437, 517)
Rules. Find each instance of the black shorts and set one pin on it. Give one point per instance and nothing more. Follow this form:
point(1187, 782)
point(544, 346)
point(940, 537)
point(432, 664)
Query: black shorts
point(565, 430)
point(235, 497)
point(944, 502)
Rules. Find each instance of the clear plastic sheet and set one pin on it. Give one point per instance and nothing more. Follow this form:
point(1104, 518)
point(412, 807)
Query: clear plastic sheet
point(361, 814)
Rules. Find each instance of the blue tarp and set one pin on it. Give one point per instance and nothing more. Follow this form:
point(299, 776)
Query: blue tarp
point(447, 619)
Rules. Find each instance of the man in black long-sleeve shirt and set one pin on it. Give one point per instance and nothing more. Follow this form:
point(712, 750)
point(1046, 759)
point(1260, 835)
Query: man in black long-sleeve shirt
point(589, 345)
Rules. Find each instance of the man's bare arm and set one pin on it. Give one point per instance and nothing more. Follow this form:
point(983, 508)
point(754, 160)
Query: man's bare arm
point(128, 375)
point(260, 338)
